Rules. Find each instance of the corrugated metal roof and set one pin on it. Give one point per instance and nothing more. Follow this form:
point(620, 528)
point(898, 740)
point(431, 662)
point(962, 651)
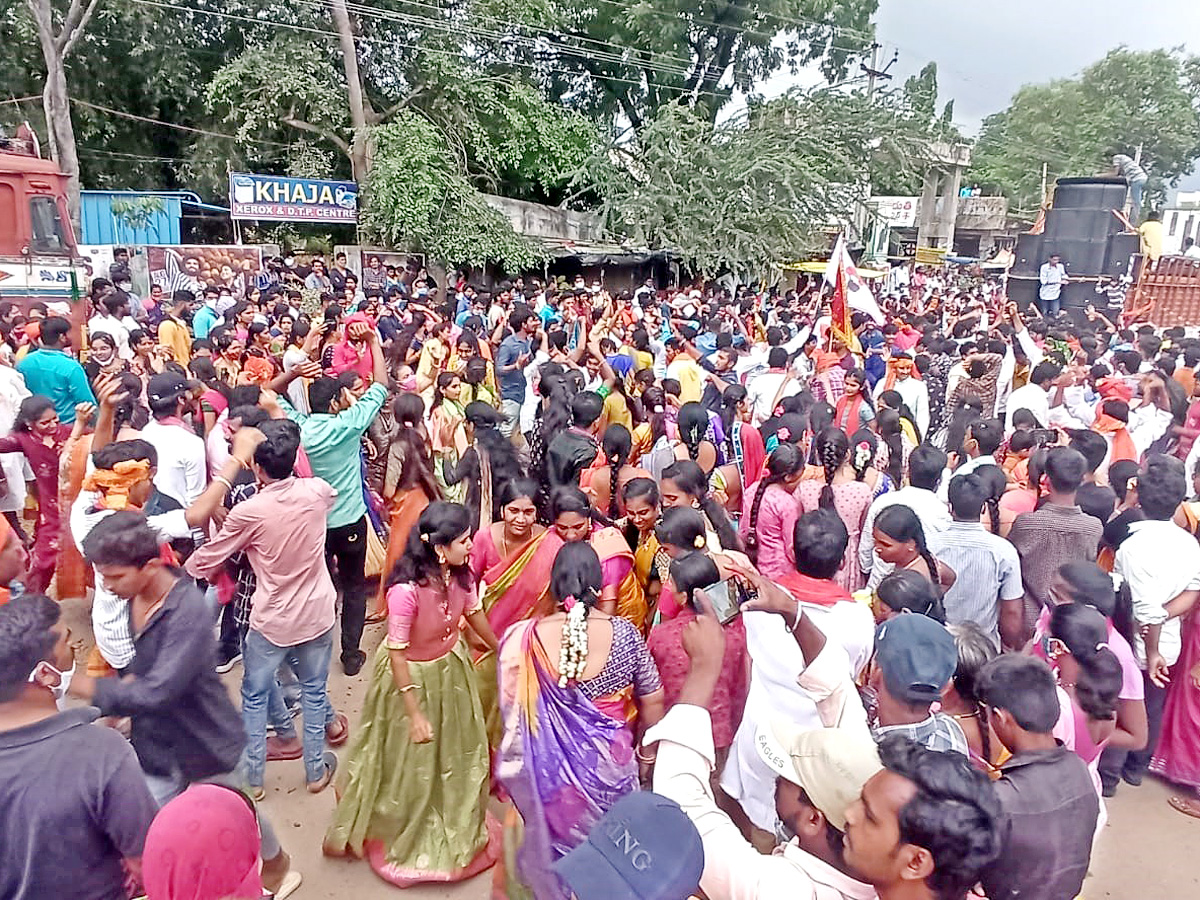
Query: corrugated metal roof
point(100, 225)
point(594, 253)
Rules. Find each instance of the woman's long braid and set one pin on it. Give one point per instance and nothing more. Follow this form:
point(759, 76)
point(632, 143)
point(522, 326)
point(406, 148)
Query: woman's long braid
point(860, 471)
point(930, 561)
point(691, 439)
point(993, 508)
point(720, 522)
point(573, 653)
point(752, 538)
point(829, 461)
point(615, 462)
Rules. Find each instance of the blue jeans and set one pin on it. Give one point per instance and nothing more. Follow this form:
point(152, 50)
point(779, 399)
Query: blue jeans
point(165, 788)
point(1136, 189)
point(260, 661)
point(1050, 308)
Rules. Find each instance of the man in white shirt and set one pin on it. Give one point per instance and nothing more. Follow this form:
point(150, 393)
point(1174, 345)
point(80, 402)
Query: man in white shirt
point(980, 443)
point(1053, 275)
point(1161, 564)
point(820, 546)
point(115, 321)
point(925, 466)
point(1034, 396)
point(182, 472)
point(766, 389)
point(912, 391)
point(1191, 250)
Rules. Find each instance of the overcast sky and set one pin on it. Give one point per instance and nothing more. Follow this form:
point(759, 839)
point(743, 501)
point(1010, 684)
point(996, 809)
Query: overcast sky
point(986, 51)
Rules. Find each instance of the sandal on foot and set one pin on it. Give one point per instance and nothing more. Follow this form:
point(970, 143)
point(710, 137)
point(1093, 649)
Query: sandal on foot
point(331, 761)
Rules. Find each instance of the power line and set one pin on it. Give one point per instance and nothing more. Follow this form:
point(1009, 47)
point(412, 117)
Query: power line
point(416, 46)
point(177, 127)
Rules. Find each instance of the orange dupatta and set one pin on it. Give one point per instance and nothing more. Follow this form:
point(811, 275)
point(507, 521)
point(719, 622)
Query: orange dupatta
point(1122, 443)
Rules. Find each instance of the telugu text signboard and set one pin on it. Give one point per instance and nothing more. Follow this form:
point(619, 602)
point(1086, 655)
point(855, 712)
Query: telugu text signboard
point(896, 212)
point(274, 199)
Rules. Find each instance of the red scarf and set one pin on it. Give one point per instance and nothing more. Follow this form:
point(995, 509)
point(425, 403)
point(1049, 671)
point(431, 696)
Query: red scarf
point(818, 591)
point(845, 414)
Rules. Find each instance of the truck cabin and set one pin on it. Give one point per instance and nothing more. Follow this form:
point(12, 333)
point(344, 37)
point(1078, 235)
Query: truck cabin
point(38, 254)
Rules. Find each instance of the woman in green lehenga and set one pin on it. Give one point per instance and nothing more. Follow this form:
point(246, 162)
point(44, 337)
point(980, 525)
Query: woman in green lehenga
point(447, 433)
point(413, 796)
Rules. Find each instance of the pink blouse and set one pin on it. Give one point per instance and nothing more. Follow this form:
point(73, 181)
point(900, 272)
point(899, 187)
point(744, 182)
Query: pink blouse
point(425, 620)
point(775, 524)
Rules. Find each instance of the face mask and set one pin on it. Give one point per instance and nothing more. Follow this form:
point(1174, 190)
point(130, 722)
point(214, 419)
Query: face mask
point(421, 292)
point(783, 834)
point(125, 286)
point(289, 261)
point(64, 681)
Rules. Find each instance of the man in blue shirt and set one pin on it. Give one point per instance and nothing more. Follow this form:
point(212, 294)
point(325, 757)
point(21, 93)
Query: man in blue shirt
point(54, 373)
point(331, 436)
point(206, 316)
point(511, 359)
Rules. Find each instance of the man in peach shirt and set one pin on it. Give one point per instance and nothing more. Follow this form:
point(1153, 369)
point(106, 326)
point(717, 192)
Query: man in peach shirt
point(282, 531)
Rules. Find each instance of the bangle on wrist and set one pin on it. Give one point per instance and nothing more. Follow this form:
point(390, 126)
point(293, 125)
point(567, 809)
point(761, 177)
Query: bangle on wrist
point(225, 481)
point(408, 687)
point(799, 616)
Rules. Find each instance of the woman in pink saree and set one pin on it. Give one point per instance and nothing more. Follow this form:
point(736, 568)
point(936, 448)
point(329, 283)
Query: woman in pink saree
point(577, 687)
point(511, 561)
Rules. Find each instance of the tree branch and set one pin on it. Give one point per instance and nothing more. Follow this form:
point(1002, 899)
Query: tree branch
point(318, 130)
point(380, 117)
point(72, 31)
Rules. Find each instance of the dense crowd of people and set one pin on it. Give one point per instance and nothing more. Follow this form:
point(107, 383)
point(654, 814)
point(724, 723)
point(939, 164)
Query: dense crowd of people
point(684, 589)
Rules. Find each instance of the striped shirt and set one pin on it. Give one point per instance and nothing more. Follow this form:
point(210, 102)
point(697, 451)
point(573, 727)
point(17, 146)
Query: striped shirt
point(1046, 539)
point(987, 570)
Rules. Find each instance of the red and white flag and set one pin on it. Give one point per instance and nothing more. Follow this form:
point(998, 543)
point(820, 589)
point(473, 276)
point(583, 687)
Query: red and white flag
point(843, 275)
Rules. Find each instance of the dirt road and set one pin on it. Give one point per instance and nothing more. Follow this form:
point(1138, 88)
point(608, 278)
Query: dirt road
point(1147, 849)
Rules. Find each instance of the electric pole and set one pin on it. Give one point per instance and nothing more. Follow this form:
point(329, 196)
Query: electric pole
point(873, 71)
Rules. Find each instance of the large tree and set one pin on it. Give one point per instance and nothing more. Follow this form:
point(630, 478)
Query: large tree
point(755, 191)
point(417, 198)
point(58, 33)
point(1127, 100)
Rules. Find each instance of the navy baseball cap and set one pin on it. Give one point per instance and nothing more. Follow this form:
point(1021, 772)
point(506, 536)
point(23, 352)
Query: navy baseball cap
point(916, 657)
point(644, 848)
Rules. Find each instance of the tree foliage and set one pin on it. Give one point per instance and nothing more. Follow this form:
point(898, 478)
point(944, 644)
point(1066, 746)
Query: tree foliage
point(416, 197)
point(630, 58)
point(1074, 126)
point(756, 191)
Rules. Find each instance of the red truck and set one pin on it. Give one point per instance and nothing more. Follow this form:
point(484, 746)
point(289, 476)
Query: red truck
point(39, 260)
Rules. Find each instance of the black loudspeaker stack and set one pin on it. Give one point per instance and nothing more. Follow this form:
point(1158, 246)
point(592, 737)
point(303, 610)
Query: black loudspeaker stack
point(1082, 228)
point(1028, 256)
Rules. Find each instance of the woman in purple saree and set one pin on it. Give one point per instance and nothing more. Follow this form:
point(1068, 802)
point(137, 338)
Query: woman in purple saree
point(576, 688)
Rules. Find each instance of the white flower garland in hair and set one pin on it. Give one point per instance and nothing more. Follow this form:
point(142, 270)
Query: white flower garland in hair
point(572, 654)
point(862, 455)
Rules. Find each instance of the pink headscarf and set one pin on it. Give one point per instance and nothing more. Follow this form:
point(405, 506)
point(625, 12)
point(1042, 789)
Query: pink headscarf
point(203, 845)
